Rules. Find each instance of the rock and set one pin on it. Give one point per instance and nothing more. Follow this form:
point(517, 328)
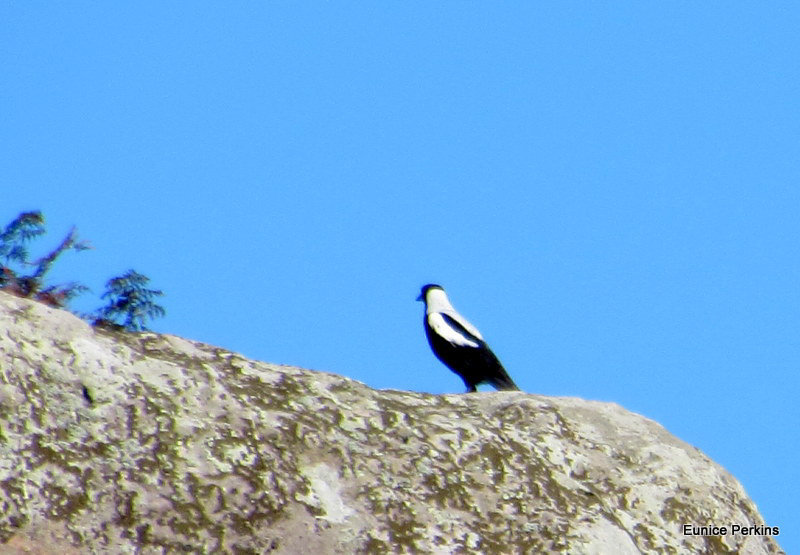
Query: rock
point(114, 442)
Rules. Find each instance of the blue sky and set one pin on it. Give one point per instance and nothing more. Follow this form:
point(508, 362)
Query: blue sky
point(610, 193)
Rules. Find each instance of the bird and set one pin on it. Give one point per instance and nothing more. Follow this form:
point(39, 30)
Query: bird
point(459, 344)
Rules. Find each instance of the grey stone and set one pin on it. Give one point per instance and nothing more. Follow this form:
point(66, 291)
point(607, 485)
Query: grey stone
point(114, 442)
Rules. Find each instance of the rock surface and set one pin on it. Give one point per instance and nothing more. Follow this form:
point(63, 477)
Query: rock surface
point(114, 442)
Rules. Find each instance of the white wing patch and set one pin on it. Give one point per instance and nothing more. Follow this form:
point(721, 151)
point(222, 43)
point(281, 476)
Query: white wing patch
point(441, 328)
point(463, 321)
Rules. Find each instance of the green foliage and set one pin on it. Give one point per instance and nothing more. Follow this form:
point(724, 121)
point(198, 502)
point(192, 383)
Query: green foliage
point(130, 302)
point(15, 272)
point(25, 227)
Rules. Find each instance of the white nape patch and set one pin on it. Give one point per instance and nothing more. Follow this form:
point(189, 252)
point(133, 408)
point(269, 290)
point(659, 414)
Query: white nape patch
point(436, 301)
point(441, 328)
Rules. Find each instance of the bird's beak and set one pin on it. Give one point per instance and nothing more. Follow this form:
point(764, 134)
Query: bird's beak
point(420, 297)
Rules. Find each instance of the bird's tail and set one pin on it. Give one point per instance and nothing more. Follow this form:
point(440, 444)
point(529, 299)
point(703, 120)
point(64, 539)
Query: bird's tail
point(504, 383)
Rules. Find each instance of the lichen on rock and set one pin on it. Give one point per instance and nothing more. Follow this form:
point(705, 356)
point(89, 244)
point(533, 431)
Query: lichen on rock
point(116, 442)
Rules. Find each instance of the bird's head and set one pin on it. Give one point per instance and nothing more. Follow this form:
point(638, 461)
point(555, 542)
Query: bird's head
point(426, 288)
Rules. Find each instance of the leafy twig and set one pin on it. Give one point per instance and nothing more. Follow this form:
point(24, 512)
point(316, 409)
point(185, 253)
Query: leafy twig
point(130, 302)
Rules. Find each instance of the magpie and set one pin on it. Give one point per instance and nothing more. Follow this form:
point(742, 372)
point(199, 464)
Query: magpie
point(458, 344)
